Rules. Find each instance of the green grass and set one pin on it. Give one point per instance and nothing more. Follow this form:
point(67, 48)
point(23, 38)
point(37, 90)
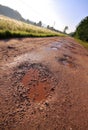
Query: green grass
point(85, 44)
point(13, 28)
point(8, 34)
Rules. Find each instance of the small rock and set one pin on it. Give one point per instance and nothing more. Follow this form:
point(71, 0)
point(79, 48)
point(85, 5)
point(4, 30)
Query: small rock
point(47, 104)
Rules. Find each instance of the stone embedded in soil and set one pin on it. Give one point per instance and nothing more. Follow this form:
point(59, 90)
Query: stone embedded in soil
point(40, 82)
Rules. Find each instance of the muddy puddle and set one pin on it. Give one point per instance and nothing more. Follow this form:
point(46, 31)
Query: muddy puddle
point(67, 61)
point(40, 82)
point(54, 46)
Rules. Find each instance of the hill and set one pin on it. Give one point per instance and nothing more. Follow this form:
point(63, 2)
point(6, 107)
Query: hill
point(14, 14)
point(6, 11)
point(14, 28)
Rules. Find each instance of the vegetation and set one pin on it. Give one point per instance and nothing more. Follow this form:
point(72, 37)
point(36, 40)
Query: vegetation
point(83, 43)
point(13, 28)
point(65, 29)
point(82, 30)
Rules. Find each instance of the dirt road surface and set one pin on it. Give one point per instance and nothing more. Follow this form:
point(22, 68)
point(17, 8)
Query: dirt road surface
point(43, 84)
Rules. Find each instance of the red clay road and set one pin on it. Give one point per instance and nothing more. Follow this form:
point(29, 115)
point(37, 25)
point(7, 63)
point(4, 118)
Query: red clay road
point(43, 84)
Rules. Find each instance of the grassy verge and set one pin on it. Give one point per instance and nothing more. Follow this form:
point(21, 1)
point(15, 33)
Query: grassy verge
point(13, 28)
point(11, 34)
point(85, 44)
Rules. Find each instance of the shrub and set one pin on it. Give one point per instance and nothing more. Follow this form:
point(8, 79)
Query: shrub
point(82, 30)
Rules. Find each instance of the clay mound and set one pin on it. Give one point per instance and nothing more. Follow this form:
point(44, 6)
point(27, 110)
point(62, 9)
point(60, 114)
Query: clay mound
point(39, 81)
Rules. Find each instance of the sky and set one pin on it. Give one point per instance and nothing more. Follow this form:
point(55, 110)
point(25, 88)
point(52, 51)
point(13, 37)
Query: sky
point(56, 13)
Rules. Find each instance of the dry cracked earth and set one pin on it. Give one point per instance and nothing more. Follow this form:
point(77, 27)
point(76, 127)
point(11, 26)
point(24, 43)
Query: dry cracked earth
point(43, 84)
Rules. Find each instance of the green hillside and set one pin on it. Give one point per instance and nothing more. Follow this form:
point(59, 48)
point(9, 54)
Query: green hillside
point(13, 28)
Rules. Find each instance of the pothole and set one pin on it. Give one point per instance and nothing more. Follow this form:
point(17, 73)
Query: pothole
point(67, 60)
point(40, 82)
point(54, 48)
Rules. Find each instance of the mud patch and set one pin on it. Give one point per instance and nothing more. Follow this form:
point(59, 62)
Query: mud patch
point(67, 61)
point(53, 47)
point(56, 46)
point(40, 82)
point(10, 47)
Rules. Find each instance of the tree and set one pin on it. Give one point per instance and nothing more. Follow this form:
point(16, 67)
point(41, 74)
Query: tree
point(39, 23)
point(66, 28)
point(48, 26)
point(82, 30)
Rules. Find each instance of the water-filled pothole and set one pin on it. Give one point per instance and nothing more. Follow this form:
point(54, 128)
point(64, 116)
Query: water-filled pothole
point(67, 60)
point(54, 48)
point(40, 82)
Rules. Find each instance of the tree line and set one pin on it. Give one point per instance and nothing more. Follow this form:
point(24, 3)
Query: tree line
point(82, 30)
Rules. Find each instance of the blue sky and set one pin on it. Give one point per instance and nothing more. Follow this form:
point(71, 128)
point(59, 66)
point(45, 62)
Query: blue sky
point(57, 13)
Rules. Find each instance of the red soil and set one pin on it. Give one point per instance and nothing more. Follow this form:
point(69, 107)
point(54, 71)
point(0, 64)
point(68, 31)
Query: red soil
point(43, 84)
point(39, 81)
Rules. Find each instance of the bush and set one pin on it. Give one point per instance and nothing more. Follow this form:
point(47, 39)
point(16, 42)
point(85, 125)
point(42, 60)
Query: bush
point(82, 30)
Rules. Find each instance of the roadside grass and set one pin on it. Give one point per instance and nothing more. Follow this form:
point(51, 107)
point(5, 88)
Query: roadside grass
point(8, 34)
point(13, 28)
point(83, 43)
